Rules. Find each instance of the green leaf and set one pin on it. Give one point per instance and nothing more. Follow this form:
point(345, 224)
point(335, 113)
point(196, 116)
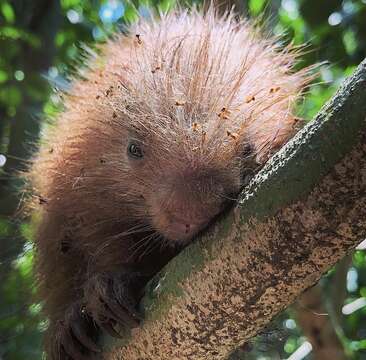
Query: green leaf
point(130, 14)
point(3, 76)
point(5, 227)
point(11, 95)
point(34, 309)
point(24, 264)
point(60, 38)
point(359, 259)
point(10, 32)
point(363, 292)
point(255, 6)
point(13, 33)
point(350, 42)
point(8, 12)
point(67, 4)
point(27, 231)
point(165, 5)
point(290, 345)
point(358, 345)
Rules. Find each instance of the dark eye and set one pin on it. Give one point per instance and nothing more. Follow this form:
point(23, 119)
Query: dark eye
point(134, 150)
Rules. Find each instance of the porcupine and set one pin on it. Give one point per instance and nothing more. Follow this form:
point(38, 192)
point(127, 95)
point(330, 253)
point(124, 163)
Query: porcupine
point(155, 140)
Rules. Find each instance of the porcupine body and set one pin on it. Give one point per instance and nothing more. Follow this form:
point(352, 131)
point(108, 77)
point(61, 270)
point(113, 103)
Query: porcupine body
point(154, 141)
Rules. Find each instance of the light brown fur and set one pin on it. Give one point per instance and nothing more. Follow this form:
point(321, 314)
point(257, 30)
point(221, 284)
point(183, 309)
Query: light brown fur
point(209, 100)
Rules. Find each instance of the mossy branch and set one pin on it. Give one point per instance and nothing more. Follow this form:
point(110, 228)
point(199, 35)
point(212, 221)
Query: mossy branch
point(301, 214)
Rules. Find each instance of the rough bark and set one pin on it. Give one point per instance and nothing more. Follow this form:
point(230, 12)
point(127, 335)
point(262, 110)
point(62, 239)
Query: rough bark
point(300, 215)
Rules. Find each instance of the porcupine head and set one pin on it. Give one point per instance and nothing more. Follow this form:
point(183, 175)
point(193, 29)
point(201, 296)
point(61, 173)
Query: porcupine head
point(169, 122)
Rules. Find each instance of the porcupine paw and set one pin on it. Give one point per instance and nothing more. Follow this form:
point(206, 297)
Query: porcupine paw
point(112, 299)
point(74, 337)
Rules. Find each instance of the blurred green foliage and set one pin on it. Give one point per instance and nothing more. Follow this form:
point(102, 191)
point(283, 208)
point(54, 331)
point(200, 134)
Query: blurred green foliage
point(41, 42)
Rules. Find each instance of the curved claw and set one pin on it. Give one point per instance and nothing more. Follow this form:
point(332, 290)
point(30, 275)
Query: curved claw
point(72, 351)
point(125, 302)
point(108, 327)
point(129, 309)
point(79, 333)
point(122, 316)
point(73, 337)
point(111, 298)
point(133, 313)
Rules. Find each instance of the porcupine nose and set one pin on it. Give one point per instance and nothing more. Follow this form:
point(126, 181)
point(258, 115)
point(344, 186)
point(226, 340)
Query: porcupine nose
point(186, 226)
point(193, 201)
point(184, 229)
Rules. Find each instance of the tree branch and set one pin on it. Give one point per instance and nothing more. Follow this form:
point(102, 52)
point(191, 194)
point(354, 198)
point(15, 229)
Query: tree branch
point(300, 215)
point(315, 322)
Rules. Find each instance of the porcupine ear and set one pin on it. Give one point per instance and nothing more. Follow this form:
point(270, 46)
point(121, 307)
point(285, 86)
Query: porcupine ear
point(249, 164)
point(269, 138)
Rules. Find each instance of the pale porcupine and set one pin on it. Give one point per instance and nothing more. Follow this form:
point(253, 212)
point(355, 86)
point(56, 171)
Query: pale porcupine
point(154, 141)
